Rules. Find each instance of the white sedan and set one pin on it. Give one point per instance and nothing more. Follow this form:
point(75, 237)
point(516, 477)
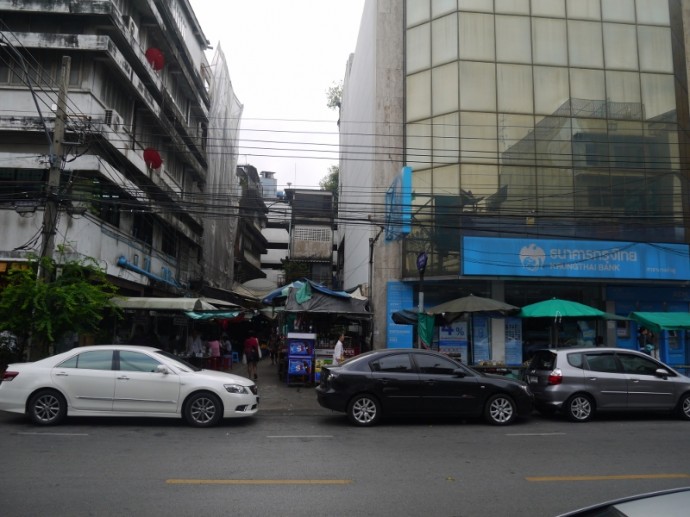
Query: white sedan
point(124, 380)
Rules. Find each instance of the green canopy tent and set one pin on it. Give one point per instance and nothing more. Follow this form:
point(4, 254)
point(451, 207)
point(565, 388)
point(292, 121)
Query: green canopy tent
point(658, 321)
point(557, 309)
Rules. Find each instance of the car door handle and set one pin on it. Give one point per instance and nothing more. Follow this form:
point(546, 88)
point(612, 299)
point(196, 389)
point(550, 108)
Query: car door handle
point(62, 374)
point(123, 378)
point(430, 382)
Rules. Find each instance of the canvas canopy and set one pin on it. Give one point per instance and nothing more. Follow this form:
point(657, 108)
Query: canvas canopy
point(320, 302)
point(162, 304)
point(657, 321)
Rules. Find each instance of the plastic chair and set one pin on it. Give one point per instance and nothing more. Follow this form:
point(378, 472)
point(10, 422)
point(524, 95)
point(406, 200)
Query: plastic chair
point(235, 357)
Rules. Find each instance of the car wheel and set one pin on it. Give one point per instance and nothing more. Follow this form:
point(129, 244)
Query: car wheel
point(364, 410)
point(579, 408)
point(47, 407)
point(684, 407)
point(203, 410)
point(500, 410)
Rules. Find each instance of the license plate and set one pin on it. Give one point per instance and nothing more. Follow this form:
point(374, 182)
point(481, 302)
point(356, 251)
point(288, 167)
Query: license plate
point(531, 379)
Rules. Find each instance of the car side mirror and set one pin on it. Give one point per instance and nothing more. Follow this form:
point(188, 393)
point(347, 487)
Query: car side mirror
point(662, 372)
point(459, 372)
point(161, 368)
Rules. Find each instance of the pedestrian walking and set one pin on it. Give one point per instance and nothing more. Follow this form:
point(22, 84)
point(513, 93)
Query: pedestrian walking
point(251, 353)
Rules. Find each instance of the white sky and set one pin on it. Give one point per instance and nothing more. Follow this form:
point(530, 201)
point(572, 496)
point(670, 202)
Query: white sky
point(283, 55)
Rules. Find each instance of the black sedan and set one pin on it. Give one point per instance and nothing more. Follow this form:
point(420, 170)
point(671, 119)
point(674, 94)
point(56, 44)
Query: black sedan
point(411, 382)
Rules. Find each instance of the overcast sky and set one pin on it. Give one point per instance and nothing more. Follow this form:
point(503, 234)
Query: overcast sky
point(283, 55)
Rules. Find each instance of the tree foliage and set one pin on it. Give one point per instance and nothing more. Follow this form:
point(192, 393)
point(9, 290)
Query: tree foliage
point(73, 300)
point(294, 270)
point(334, 95)
point(332, 180)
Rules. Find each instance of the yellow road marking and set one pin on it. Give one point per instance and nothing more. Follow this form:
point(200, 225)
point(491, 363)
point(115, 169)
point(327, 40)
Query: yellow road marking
point(603, 478)
point(258, 481)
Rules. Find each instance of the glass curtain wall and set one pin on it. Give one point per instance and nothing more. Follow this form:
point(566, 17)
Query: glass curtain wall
point(547, 118)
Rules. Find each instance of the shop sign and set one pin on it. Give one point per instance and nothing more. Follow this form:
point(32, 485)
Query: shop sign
point(575, 259)
point(452, 339)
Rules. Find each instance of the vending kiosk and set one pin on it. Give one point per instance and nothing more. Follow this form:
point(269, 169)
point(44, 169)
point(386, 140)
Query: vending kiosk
point(300, 367)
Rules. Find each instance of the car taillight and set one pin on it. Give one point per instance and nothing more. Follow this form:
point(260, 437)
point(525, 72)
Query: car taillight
point(8, 376)
point(556, 377)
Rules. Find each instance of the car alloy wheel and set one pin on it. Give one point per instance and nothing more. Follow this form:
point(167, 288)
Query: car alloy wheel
point(500, 410)
point(47, 407)
point(579, 408)
point(684, 407)
point(364, 410)
point(203, 410)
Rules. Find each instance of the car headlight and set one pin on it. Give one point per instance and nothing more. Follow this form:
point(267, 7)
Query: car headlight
point(235, 388)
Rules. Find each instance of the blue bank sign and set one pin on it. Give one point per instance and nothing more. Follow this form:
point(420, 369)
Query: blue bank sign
point(575, 259)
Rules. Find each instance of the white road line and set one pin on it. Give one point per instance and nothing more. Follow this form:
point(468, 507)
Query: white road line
point(535, 434)
point(302, 436)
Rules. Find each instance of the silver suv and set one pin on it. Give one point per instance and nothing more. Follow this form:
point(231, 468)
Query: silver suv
point(581, 381)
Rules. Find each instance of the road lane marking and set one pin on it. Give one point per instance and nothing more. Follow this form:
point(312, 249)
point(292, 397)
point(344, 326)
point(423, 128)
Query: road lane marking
point(604, 478)
point(302, 436)
point(535, 434)
point(52, 434)
point(258, 481)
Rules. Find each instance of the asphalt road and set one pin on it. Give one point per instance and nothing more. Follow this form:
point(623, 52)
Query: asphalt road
point(317, 464)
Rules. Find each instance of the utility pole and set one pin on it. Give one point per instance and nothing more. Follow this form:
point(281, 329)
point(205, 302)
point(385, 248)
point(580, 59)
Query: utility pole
point(50, 212)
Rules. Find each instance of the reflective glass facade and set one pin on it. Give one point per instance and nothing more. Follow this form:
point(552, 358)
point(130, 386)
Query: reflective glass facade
point(545, 118)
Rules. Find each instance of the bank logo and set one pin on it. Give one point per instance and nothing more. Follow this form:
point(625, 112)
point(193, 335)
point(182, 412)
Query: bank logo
point(532, 257)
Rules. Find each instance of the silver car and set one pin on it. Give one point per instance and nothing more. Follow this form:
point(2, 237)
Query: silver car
point(582, 381)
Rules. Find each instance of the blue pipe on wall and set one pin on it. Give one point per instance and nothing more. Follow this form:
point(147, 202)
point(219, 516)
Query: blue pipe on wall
point(122, 262)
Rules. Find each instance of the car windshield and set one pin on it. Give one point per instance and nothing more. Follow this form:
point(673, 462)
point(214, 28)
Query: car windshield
point(180, 363)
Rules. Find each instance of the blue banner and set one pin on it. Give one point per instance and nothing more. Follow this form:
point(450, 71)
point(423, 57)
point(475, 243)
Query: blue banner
point(575, 259)
point(480, 339)
point(399, 297)
point(513, 330)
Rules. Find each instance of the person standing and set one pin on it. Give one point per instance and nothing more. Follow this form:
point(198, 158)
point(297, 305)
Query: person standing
point(196, 346)
point(644, 341)
point(226, 351)
point(251, 353)
point(273, 347)
point(214, 352)
point(339, 351)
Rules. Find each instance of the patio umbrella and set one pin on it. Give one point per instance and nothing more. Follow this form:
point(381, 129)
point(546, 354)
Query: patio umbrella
point(557, 308)
point(405, 317)
point(474, 304)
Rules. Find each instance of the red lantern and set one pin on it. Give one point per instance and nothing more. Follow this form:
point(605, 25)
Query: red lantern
point(152, 158)
point(156, 58)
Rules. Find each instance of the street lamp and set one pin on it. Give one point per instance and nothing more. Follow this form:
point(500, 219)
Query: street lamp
point(421, 267)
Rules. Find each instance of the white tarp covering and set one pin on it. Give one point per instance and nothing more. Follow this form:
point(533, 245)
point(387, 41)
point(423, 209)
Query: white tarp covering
point(163, 304)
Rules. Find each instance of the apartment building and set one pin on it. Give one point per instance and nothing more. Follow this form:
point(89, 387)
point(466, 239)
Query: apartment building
point(143, 185)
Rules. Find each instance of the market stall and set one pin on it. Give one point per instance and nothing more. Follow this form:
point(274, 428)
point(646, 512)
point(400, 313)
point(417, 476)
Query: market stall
point(315, 315)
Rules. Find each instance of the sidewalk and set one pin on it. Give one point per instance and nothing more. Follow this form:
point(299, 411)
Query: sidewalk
point(276, 396)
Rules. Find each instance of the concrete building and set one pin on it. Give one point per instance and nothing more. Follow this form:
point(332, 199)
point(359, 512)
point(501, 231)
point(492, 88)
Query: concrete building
point(277, 231)
point(546, 142)
point(299, 234)
point(250, 244)
point(143, 187)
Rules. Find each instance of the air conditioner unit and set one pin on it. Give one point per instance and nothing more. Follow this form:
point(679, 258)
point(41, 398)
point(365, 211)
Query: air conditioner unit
point(114, 120)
